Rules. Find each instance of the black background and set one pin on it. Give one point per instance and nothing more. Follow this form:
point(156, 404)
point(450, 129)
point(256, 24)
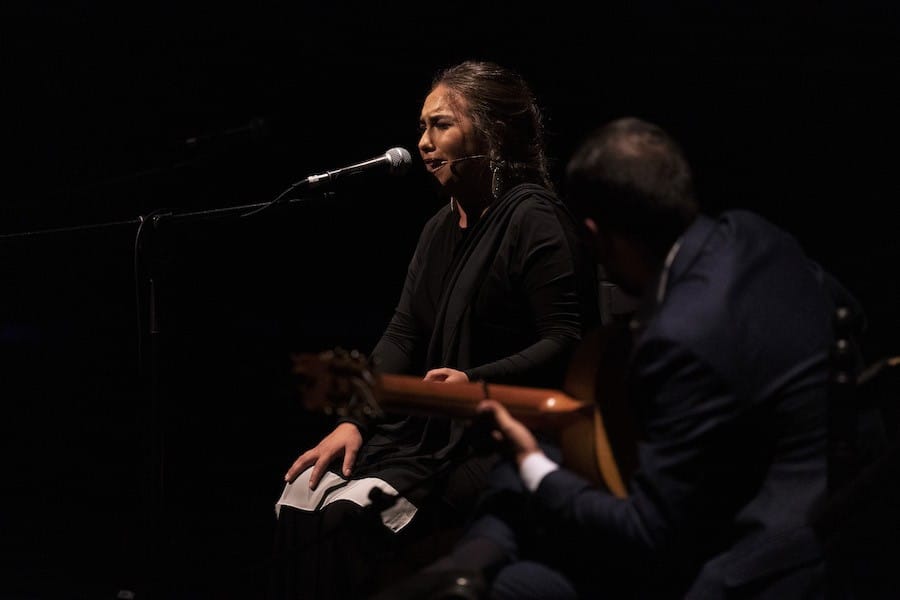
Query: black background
point(117, 441)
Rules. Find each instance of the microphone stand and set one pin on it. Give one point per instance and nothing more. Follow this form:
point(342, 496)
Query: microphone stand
point(149, 264)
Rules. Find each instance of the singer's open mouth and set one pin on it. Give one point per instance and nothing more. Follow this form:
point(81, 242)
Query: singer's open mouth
point(434, 164)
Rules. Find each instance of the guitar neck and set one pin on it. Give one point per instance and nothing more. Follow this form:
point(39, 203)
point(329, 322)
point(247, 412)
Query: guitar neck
point(341, 383)
point(532, 406)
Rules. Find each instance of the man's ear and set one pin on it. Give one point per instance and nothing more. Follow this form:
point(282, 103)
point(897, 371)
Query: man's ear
point(591, 225)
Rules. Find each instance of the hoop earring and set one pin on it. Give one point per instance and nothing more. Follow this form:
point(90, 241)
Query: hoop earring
point(496, 180)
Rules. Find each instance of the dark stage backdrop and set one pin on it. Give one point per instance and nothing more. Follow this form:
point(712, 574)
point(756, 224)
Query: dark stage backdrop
point(139, 459)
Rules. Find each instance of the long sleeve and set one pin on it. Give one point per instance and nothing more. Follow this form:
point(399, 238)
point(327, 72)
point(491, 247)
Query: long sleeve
point(558, 284)
point(396, 349)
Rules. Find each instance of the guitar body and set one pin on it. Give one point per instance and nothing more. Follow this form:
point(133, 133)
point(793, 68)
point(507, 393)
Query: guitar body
point(601, 446)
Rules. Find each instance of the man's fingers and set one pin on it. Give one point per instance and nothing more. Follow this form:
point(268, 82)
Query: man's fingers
point(487, 406)
point(501, 416)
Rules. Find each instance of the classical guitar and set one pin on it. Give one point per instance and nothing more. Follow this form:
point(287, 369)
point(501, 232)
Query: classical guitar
point(345, 383)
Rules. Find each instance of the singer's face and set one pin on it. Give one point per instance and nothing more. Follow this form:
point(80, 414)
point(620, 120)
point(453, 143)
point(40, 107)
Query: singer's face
point(447, 135)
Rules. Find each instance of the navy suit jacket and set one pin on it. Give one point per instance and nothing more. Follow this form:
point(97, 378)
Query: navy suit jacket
point(729, 386)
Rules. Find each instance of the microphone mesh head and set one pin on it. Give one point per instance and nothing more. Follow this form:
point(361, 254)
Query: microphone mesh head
point(400, 160)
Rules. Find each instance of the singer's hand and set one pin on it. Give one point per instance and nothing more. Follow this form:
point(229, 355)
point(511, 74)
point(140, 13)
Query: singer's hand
point(446, 375)
point(522, 442)
point(345, 438)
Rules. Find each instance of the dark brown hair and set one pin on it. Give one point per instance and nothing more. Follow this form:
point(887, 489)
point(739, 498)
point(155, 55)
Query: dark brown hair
point(504, 110)
point(632, 178)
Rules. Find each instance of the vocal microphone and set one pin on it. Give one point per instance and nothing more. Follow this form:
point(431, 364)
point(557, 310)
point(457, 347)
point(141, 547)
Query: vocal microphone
point(397, 160)
point(460, 159)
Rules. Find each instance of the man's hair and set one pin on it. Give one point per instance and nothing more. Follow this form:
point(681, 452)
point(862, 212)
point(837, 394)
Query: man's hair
point(632, 178)
point(504, 110)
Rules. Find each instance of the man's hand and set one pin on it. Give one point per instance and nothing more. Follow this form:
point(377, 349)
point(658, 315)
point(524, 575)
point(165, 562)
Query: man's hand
point(345, 439)
point(511, 430)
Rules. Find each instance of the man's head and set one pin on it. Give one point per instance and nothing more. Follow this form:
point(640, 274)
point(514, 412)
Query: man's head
point(632, 185)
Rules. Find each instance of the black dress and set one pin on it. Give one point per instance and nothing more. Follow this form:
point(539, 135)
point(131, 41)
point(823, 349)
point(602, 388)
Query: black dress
point(506, 301)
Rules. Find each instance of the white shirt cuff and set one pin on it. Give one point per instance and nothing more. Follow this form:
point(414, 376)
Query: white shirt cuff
point(533, 469)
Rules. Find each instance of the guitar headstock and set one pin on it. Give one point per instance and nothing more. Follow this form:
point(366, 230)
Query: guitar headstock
point(337, 382)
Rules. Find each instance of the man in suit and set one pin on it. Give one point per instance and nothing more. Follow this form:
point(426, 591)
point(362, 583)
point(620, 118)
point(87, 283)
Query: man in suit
point(728, 383)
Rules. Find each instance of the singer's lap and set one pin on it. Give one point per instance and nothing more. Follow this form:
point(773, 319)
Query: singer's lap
point(364, 555)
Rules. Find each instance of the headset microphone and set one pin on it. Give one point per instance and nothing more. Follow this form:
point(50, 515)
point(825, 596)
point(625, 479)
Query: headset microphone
point(460, 159)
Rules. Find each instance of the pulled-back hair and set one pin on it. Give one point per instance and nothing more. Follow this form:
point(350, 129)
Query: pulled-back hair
point(505, 112)
point(632, 178)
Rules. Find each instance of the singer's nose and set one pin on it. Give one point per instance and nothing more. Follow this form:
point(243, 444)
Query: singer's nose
point(425, 144)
